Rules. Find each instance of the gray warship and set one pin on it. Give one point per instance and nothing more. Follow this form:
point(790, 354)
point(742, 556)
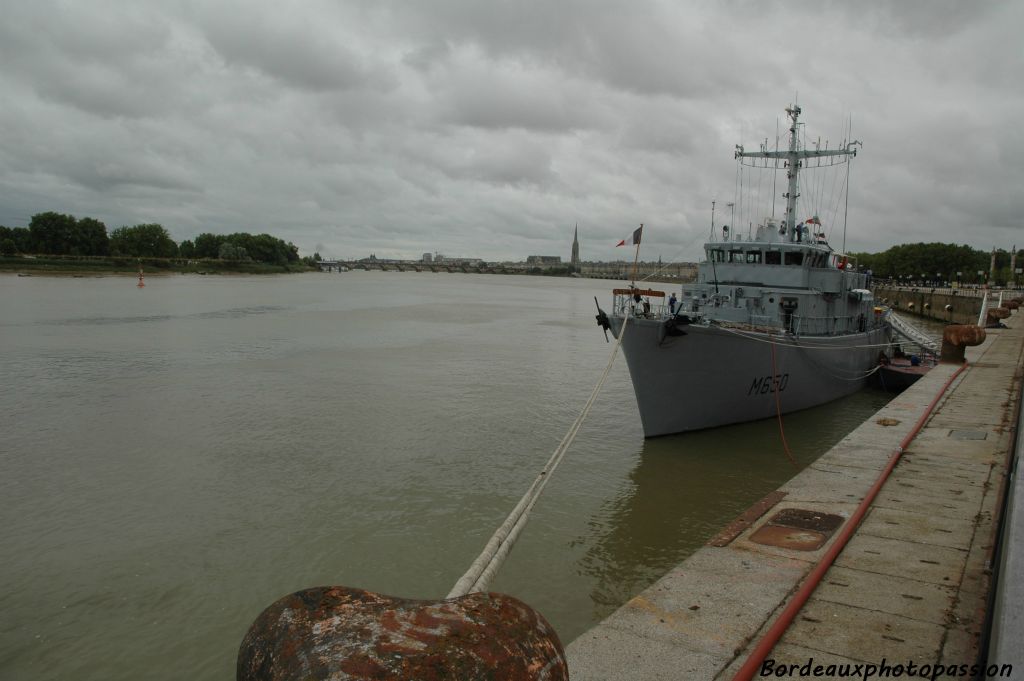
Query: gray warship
point(774, 323)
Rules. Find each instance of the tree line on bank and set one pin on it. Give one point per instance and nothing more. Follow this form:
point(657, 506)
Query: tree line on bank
point(57, 234)
point(940, 263)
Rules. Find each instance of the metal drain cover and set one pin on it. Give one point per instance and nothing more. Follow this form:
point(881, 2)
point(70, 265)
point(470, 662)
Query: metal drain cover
point(968, 434)
point(798, 529)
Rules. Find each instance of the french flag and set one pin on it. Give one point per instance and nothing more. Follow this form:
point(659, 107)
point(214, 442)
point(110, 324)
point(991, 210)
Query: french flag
point(632, 240)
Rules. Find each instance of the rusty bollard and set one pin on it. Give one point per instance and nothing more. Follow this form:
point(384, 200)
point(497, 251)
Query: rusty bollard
point(335, 632)
point(956, 338)
point(994, 315)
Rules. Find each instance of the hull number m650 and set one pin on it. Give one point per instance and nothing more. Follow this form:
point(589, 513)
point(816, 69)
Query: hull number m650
point(768, 384)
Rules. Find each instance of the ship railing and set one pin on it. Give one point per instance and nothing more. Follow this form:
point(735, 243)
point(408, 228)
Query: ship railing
point(651, 306)
point(831, 326)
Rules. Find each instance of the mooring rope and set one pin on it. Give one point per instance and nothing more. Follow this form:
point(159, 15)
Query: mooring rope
point(483, 569)
point(854, 375)
point(802, 340)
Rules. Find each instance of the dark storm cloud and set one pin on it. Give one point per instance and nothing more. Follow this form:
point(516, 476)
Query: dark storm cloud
point(490, 129)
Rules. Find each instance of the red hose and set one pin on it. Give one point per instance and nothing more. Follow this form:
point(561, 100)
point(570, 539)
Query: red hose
point(778, 404)
point(778, 628)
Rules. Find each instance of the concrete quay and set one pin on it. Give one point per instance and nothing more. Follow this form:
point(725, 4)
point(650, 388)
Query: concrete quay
point(912, 585)
point(964, 303)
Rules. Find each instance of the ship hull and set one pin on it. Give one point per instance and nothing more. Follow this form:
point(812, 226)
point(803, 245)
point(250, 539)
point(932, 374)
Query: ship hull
point(714, 376)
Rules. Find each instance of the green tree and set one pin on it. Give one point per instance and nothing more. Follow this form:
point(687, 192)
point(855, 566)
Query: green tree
point(229, 251)
point(265, 248)
point(52, 233)
point(7, 244)
point(22, 239)
point(208, 245)
point(187, 249)
point(933, 260)
point(58, 234)
point(92, 237)
point(260, 248)
point(293, 252)
point(143, 241)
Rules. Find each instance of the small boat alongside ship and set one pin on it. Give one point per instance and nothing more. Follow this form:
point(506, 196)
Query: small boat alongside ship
point(898, 374)
point(774, 323)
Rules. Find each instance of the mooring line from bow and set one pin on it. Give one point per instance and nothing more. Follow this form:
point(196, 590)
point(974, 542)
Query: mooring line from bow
point(483, 569)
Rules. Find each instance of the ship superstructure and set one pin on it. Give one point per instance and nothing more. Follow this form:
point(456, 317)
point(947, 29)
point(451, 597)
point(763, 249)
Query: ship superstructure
point(775, 322)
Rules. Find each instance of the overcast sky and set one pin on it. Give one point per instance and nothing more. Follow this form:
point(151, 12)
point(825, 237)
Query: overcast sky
point(490, 128)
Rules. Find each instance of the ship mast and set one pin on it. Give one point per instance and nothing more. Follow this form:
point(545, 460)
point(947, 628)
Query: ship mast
point(793, 161)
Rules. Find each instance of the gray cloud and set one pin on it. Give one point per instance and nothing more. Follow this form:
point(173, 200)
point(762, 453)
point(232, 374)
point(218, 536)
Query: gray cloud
point(490, 129)
point(306, 51)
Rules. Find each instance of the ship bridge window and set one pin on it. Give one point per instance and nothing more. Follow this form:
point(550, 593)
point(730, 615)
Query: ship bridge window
point(794, 258)
point(753, 256)
point(717, 255)
point(735, 256)
point(772, 258)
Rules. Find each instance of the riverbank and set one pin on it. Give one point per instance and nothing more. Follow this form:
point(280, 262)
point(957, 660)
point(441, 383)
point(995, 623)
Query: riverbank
point(100, 265)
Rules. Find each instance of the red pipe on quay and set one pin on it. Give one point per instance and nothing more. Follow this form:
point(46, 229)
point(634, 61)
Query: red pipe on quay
point(778, 628)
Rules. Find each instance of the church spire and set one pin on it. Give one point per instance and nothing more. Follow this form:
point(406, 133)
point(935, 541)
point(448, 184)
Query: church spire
point(575, 259)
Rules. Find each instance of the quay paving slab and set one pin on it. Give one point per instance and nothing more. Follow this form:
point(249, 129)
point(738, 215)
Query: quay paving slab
point(963, 468)
point(940, 445)
point(917, 527)
point(857, 468)
point(896, 595)
point(710, 603)
point(931, 485)
point(916, 569)
point(830, 485)
point(704, 608)
point(892, 557)
point(975, 415)
point(617, 655)
point(876, 635)
point(943, 453)
point(981, 473)
point(936, 504)
point(846, 455)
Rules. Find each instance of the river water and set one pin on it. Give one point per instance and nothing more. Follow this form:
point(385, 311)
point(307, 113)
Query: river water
point(175, 458)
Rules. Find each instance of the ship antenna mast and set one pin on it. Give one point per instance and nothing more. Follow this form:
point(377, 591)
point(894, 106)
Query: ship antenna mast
point(846, 207)
point(793, 171)
point(794, 159)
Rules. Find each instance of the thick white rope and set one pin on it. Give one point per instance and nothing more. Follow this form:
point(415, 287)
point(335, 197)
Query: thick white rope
point(483, 569)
